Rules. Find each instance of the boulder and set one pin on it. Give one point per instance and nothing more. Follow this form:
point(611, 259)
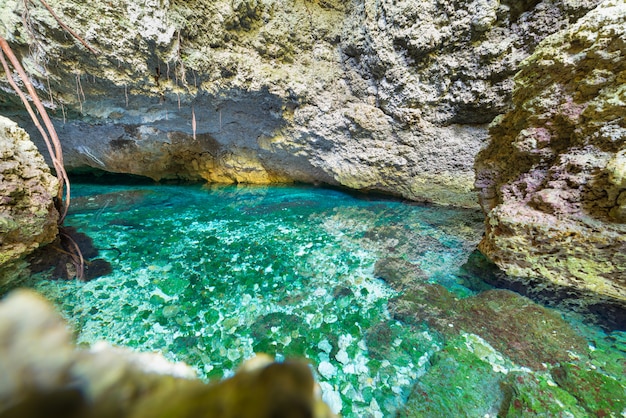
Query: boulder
point(28, 218)
point(551, 180)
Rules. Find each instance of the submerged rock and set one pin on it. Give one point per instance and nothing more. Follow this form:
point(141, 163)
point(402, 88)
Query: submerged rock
point(468, 377)
point(28, 218)
point(528, 394)
point(398, 272)
point(551, 180)
point(523, 330)
point(44, 374)
point(607, 397)
point(504, 355)
point(528, 333)
point(449, 388)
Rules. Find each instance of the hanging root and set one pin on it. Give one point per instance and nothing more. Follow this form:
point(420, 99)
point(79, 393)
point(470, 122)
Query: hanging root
point(50, 137)
point(75, 254)
point(68, 29)
point(49, 134)
point(193, 122)
point(79, 92)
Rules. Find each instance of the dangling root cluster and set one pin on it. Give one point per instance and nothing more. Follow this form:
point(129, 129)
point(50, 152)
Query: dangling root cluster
point(50, 137)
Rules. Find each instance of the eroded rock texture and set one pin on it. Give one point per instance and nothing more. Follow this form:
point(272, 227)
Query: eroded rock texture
point(552, 179)
point(44, 374)
point(384, 95)
point(28, 218)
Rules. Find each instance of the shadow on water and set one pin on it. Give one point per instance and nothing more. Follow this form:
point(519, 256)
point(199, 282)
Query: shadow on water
point(105, 178)
point(57, 259)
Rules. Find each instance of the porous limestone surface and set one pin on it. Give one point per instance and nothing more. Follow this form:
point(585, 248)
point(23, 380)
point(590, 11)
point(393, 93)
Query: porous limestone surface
point(552, 179)
point(393, 96)
point(28, 218)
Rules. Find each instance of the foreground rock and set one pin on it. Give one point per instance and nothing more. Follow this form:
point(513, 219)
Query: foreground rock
point(28, 218)
point(386, 95)
point(44, 374)
point(552, 180)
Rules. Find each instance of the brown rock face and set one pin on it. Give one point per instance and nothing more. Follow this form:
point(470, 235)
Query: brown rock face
point(552, 180)
point(28, 218)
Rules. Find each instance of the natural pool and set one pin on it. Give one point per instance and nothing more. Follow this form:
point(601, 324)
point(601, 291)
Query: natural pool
point(211, 275)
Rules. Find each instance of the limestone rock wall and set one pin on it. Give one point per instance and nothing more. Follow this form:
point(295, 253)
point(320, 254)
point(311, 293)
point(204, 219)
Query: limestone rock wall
point(384, 95)
point(552, 178)
point(28, 218)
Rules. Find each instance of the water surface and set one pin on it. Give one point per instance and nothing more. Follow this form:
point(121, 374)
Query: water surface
point(212, 275)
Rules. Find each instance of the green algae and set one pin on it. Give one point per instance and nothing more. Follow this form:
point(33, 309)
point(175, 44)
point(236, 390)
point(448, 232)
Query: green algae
point(599, 394)
point(447, 389)
point(506, 390)
point(525, 331)
point(536, 395)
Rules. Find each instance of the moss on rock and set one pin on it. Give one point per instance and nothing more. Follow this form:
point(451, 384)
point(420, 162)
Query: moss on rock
point(599, 394)
point(526, 332)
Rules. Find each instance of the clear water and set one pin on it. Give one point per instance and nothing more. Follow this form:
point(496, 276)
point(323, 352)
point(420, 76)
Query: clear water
point(211, 275)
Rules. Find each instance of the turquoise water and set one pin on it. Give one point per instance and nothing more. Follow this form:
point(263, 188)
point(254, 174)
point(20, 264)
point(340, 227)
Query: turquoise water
point(212, 275)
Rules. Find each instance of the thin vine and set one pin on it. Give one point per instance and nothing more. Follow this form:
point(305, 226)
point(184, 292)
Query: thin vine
point(49, 135)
